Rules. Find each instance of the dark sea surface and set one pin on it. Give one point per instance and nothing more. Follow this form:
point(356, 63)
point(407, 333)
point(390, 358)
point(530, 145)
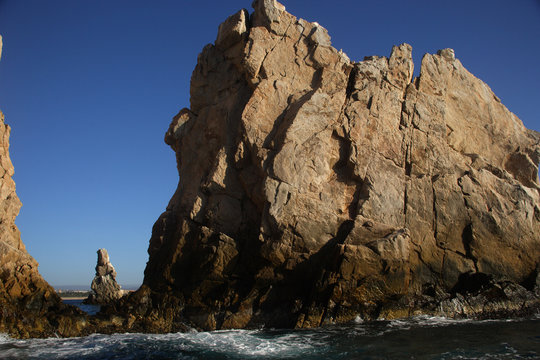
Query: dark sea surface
point(87, 308)
point(417, 338)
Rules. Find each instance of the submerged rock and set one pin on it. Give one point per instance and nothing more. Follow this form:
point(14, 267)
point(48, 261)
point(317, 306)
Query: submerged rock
point(104, 286)
point(315, 190)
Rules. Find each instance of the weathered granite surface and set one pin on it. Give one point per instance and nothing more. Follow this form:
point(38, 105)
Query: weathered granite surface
point(105, 289)
point(316, 190)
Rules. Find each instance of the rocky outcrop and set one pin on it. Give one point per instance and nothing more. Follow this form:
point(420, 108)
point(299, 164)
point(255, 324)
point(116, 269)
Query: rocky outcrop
point(314, 189)
point(104, 286)
point(29, 306)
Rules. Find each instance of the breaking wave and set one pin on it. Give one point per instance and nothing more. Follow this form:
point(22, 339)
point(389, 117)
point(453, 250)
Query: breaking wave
point(197, 345)
point(416, 338)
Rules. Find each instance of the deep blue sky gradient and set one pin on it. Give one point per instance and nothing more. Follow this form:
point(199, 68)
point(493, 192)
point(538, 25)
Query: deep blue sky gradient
point(89, 89)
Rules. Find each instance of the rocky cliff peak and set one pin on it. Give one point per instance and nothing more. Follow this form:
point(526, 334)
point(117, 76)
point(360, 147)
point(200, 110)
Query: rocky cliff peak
point(314, 189)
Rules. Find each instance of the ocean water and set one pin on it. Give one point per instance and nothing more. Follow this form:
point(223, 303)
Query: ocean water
point(417, 338)
point(87, 308)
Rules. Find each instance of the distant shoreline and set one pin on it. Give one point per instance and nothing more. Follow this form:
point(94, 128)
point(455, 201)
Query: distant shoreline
point(63, 288)
point(81, 295)
point(73, 297)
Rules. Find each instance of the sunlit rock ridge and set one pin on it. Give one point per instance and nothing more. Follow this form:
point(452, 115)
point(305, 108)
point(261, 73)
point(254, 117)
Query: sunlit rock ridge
point(315, 190)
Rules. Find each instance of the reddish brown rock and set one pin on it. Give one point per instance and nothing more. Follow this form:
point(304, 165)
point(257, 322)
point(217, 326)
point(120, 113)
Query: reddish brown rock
point(29, 306)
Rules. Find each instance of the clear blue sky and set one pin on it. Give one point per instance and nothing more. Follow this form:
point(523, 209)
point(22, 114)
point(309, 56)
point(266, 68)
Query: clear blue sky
point(89, 88)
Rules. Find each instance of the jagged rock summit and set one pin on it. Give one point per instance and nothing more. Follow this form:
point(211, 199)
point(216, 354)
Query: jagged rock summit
point(314, 189)
point(104, 286)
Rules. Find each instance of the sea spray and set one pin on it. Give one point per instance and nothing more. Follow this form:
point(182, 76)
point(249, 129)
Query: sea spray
point(419, 337)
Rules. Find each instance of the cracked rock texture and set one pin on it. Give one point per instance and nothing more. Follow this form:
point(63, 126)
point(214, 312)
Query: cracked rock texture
point(105, 289)
point(29, 306)
point(314, 189)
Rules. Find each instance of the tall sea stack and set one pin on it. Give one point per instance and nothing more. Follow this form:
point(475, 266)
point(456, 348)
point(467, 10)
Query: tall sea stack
point(314, 189)
point(105, 289)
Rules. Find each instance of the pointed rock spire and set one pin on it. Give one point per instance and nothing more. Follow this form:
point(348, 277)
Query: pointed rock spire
point(104, 286)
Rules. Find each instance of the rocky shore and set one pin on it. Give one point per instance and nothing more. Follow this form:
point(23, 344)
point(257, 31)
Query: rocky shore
point(317, 190)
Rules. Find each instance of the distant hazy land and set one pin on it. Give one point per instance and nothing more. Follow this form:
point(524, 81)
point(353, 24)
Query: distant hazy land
point(82, 291)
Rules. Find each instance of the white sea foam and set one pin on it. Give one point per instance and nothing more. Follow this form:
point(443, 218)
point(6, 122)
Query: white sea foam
point(426, 320)
point(243, 343)
point(418, 321)
point(336, 342)
point(57, 347)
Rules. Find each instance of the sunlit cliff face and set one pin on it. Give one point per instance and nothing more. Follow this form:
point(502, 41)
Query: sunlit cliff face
point(316, 190)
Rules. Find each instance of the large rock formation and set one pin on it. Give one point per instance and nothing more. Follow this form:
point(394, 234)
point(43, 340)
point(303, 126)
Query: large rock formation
point(29, 306)
point(315, 190)
point(104, 286)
